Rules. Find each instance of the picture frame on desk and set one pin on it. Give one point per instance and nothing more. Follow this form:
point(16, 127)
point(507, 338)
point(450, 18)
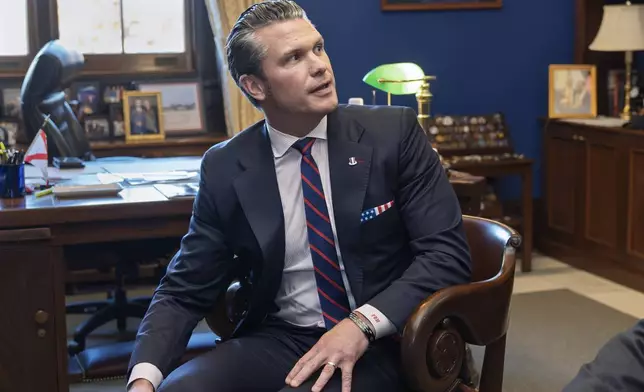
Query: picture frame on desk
point(435, 5)
point(183, 105)
point(88, 96)
point(10, 102)
point(572, 91)
point(97, 128)
point(143, 116)
point(117, 123)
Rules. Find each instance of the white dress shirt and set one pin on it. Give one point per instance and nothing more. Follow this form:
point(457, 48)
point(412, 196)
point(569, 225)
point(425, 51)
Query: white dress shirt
point(297, 297)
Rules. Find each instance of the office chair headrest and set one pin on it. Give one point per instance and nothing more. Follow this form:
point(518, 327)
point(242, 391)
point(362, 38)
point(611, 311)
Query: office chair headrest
point(52, 70)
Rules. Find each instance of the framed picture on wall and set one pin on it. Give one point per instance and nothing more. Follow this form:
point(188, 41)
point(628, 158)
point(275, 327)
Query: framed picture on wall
point(572, 91)
point(428, 5)
point(143, 116)
point(183, 111)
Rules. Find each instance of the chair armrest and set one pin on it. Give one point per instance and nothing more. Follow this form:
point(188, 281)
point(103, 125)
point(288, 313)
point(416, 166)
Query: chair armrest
point(229, 309)
point(433, 342)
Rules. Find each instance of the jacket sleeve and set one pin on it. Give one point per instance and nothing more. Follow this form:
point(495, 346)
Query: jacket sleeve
point(432, 216)
point(618, 366)
point(194, 278)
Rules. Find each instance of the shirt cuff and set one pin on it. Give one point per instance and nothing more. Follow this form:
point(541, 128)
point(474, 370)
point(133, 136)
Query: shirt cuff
point(383, 327)
point(146, 371)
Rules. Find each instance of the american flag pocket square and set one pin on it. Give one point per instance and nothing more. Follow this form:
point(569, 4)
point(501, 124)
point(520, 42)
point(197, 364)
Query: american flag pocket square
point(375, 211)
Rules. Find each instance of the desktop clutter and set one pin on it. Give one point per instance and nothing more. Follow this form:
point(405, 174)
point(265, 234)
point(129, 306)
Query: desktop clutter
point(13, 178)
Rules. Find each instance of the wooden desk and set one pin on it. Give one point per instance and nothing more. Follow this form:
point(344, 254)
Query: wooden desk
point(33, 235)
point(500, 168)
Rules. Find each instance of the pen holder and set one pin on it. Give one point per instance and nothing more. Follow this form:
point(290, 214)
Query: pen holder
point(12, 181)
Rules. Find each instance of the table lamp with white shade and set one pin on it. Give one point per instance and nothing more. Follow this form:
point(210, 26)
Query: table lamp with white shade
point(622, 30)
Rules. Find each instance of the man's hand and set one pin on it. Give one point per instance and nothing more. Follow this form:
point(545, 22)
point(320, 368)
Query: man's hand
point(343, 345)
point(141, 385)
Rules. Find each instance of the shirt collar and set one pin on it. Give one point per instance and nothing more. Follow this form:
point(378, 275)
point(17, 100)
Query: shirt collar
point(281, 142)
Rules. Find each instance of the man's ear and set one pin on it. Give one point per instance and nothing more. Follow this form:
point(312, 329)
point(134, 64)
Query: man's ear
point(253, 86)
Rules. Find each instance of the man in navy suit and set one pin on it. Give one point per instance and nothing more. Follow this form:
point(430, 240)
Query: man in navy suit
point(342, 214)
point(619, 365)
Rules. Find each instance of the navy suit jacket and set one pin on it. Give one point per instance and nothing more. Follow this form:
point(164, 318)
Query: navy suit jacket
point(393, 262)
point(618, 366)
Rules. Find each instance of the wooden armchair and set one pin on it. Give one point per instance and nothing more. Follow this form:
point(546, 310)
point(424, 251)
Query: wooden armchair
point(433, 342)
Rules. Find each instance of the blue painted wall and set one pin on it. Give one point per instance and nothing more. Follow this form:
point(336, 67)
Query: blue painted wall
point(485, 60)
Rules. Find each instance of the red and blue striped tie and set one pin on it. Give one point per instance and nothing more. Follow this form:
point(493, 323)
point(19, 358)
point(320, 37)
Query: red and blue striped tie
point(331, 290)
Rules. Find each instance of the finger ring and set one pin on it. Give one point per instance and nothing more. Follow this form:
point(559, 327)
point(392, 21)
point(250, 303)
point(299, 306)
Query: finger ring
point(332, 364)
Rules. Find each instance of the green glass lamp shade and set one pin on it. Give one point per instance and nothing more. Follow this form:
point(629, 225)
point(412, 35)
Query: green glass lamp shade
point(390, 78)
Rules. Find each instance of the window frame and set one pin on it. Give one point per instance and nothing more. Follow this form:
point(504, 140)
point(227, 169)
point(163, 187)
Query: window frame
point(16, 66)
point(143, 63)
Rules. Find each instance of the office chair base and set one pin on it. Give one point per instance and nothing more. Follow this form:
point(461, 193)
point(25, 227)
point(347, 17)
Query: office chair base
point(119, 312)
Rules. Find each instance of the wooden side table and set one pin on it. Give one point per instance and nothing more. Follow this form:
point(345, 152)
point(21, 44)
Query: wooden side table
point(506, 167)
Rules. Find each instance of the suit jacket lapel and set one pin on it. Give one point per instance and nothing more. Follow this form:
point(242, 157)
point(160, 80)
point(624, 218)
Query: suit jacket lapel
point(349, 186)
point(259, 197)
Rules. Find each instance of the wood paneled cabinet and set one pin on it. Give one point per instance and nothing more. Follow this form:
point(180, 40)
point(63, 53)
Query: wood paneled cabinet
point(32, 339)
point(593, 194)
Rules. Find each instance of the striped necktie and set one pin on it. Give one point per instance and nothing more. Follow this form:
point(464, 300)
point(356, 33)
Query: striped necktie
point(331, 291)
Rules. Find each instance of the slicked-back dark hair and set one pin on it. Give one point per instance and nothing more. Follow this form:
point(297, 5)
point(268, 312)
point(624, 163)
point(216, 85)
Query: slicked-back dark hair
point(244, 54)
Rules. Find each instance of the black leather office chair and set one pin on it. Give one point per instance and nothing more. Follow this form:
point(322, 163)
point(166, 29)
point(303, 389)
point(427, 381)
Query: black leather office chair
point(43, 93)
point(53, 69)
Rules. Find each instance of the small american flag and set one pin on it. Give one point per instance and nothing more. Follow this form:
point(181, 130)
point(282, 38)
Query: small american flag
point(375, 211)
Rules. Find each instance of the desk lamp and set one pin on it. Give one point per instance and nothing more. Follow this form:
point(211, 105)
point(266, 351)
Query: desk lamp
point(403, 79)
point(622, 30)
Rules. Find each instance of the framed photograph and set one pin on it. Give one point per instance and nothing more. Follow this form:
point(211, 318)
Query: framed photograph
point(8, 133)
point(572, 91)
point(432, 5)
point(97, 128)
point(143, 116)
point(10, 99)
point(88, 97)
point(116, 120)
point(182, 105)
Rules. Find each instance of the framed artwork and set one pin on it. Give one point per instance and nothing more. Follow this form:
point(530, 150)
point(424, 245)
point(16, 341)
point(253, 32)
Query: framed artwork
point(183, 111)
point(429, 5)
point(97, 128)
point(143, 116)
point(572, 91)
point(8, 133)
point(10, 99)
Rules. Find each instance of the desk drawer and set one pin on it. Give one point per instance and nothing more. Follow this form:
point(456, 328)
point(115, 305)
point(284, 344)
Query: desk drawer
point(25, 235)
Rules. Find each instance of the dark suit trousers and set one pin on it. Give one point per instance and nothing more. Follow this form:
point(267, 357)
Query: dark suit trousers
point(260, 361)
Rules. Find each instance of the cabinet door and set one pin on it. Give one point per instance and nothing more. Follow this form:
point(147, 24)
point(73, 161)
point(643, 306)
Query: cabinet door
point(29, 352)
point(564, 173)
point(601, 193)
point(635, 212)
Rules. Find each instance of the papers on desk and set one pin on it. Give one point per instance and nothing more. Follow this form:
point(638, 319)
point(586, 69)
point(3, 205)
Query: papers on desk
point(134, 179)
point(178, 191)
point(58, 174)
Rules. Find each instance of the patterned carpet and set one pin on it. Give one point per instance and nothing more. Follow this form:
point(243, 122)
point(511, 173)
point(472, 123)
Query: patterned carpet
point(552, 333)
